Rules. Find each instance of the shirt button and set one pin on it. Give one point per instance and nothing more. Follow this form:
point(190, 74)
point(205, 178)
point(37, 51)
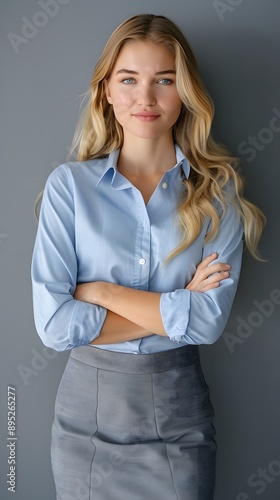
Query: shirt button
point(164, 185)
point(142, 262)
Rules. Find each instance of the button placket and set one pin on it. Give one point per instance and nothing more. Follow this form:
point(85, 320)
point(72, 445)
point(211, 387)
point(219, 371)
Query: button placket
point(142, 245)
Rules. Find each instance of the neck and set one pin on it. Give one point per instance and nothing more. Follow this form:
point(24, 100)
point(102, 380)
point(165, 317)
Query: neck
point(147, 157)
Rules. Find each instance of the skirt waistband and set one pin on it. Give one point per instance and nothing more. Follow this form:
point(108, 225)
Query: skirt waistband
point(136, 363)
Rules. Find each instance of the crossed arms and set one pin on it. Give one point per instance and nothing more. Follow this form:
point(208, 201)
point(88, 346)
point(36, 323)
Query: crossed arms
point(136, 313)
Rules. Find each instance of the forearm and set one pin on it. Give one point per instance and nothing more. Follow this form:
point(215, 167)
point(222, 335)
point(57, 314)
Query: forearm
point(137, 306)
point(118, 329)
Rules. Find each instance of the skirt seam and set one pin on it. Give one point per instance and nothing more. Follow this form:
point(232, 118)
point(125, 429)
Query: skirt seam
point(171, 473)
point(93, 455)
point(156, 426)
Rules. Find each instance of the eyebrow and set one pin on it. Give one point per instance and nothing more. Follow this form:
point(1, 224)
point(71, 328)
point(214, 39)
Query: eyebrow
point(130, 72)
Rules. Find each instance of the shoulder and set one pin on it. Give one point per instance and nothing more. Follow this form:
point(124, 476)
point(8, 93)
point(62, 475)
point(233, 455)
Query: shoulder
point(77, 172)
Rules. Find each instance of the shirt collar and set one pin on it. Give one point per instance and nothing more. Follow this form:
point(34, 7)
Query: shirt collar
point(117, 181)
point(182, 160)
point(120, 182)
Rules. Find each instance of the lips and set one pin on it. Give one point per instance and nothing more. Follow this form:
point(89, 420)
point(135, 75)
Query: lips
point(146, 117)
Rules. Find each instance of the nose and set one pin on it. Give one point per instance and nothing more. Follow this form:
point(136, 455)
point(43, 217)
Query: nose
point(146, 95)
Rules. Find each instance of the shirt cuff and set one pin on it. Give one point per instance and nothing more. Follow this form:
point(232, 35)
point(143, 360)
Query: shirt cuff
point(85, 323)
point(175, 313)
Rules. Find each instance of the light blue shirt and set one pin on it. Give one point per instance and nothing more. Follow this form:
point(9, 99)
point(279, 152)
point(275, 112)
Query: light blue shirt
point(95, 226)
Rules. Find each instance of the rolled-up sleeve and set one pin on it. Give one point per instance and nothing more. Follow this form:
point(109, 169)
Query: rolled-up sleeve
point(200, 317)
point(61, 321)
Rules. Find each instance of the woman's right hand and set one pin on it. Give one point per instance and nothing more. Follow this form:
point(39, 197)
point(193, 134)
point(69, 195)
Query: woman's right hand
point(207, 275)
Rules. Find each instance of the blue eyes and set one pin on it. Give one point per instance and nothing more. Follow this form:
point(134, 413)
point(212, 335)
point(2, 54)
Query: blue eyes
point(128, 81)
point(162, 81)
point(165, 81)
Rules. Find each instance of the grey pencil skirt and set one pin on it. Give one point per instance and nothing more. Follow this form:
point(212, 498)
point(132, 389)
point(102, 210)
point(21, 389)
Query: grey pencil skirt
point(133, 427)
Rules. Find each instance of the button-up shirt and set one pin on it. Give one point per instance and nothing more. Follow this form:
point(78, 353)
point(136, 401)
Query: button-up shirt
point(95, 226)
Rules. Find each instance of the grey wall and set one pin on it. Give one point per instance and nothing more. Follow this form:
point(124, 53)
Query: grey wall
point(45, 67)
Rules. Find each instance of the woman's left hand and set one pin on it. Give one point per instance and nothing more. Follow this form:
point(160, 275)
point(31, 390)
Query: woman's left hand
point(208, 276)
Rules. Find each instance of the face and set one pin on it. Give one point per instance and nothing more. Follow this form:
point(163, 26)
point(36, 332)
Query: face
point(142, 90)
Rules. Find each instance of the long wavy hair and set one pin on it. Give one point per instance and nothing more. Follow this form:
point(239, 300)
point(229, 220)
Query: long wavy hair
point(212, 168)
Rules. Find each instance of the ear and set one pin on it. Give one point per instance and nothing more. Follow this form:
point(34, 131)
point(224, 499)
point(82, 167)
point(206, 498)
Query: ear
point(107, 91)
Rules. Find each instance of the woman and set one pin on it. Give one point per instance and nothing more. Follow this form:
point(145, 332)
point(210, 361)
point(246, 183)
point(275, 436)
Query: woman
point(136, 263)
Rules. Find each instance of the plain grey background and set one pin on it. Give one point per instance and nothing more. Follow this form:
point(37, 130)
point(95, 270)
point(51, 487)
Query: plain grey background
point(48, 50)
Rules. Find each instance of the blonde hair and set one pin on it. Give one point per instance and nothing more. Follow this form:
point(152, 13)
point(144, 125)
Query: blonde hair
point(98, 133)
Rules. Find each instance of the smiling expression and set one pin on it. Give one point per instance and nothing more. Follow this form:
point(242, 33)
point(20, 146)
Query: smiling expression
point(142, 90)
